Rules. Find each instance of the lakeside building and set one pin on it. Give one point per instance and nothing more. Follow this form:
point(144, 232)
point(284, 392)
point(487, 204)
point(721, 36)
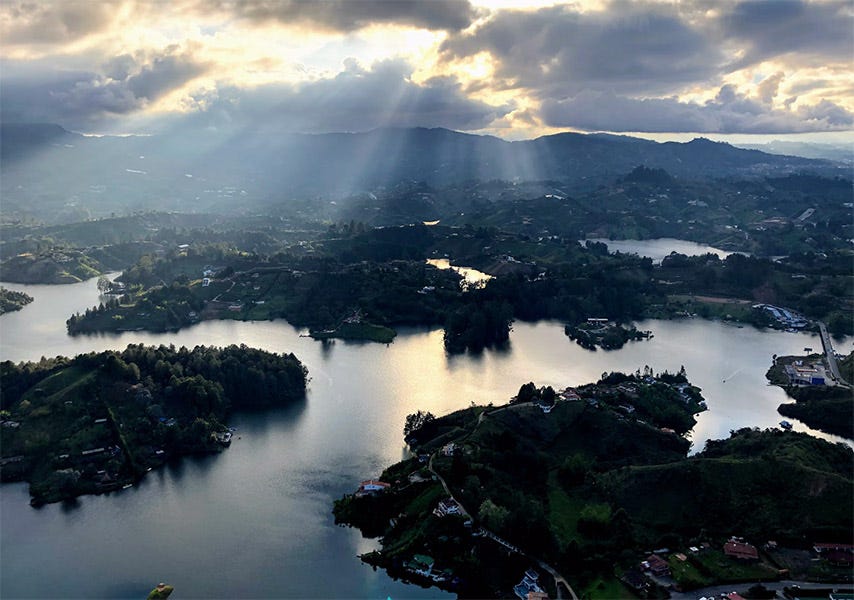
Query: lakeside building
point(806, 374)
point(372, 486)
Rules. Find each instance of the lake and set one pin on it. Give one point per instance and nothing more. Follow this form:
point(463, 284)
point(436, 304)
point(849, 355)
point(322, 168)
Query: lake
point(658, 248)
point(255, 521)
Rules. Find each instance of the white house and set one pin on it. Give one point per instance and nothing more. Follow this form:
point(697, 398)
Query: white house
point(372, 486)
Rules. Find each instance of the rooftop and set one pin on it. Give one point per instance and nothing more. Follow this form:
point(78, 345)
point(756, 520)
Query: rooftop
point(740, 550)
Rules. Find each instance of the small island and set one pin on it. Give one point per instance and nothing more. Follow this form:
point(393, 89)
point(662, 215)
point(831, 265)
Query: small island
point(161, 592)
point(11, 300)
point(100, 421)
point(602, 333)
point(571, 493)
point(354, 328)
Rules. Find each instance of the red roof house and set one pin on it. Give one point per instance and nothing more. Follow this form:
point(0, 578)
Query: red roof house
point(741, 551)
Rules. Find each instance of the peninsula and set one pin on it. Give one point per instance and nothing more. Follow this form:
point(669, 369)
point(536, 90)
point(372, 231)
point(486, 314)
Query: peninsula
point(11, 300)
point(100, 421)
point(822, 400)
point(569, 492)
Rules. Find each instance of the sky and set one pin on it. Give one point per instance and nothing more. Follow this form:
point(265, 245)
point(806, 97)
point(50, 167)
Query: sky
point(726, 69)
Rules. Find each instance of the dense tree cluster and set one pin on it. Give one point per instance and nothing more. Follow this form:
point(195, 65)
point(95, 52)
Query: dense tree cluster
point(218, 378)
point(478, 324)
point(416, 421)
point(10, 300)
point(529, 393)
point(99, 420)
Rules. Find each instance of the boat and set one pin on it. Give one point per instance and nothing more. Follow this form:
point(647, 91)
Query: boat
point(785, 425)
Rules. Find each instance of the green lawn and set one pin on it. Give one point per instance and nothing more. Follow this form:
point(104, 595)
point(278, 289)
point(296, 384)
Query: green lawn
point(425, 501)
point(724, 569)
point(563, 512)
point(606, 588)
point(687, 575)
point(57, 385)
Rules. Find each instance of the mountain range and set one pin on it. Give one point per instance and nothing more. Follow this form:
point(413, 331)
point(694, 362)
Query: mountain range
point(194, 170)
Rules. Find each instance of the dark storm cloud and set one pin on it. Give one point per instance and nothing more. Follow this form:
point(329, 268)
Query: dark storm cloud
point(556, 51)
point(808, 30)
point(729, 112)
point(28, 22)
point(356, 99)
point(81, 98)
point(615, 69)
point(645, 48)
point(163, 74)
point(350, 15)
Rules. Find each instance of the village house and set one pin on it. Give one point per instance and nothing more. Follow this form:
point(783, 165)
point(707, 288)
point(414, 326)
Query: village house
point(447, 507)
point(741, 550)
point(570, 394)
point(371, 487)
point(635, 580)
point(841, 555)
point(528, 585)
point(656, 565)
point(820, 548)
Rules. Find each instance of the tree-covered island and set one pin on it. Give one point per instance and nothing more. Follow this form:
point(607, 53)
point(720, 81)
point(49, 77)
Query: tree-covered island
point(582, 485)
point(99, 421)
point(10, 300)
point(600, 333)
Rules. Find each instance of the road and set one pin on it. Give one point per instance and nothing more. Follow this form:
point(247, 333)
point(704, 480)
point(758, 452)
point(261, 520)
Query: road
point(561, 583)
point(831, 357)
point(741, 587)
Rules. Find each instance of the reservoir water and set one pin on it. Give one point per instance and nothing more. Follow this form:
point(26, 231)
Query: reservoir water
point(658, 248)
point(255, 521)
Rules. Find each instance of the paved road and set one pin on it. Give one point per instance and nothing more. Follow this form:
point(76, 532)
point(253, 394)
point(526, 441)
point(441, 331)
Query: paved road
point(831, 357)
point(742, 587)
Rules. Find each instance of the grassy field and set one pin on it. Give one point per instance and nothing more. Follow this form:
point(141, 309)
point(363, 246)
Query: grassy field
point(687, 575)
point(563, 512)
point(606, 588)
point(358, 331)
point(714, 308)
point(724, 569)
